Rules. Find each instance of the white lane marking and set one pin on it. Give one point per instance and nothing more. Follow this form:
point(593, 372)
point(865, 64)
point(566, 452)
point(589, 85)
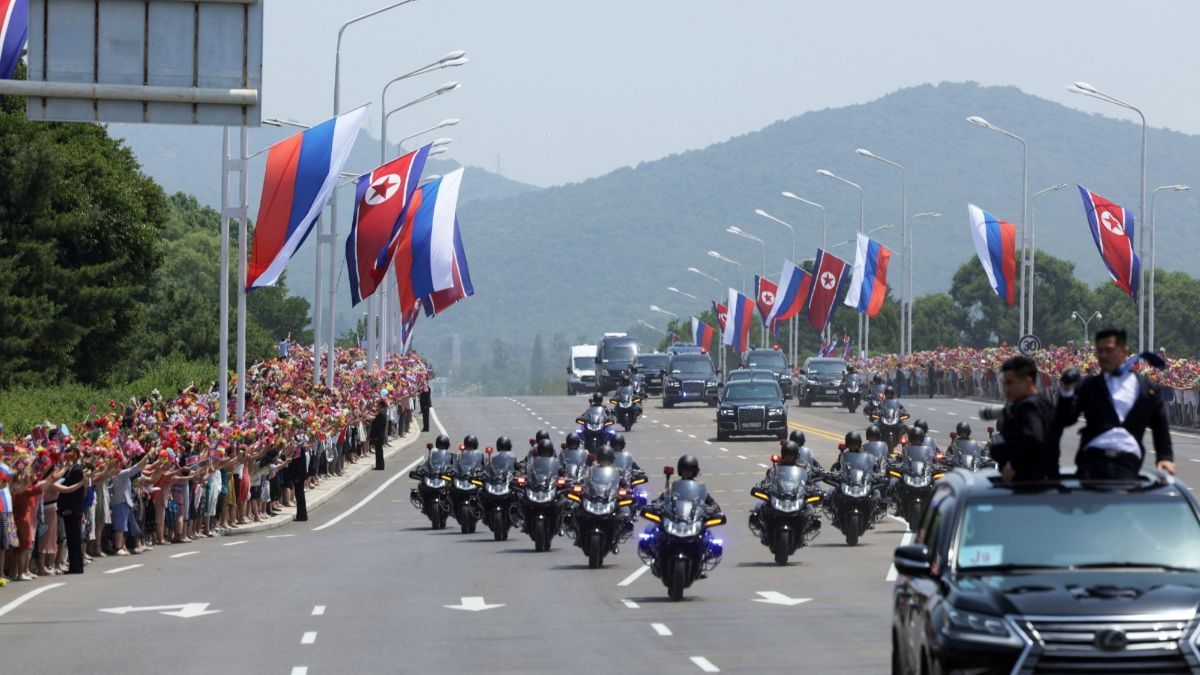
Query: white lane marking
point(29, 596)
point(308, 638)
point(654, 421)
point(951, 414)
point(281, 536)
point(300, 670)
point(630, 604)
point(705, 665)
point(184, 554)
point(691, 435)
point(724, 449)
point(634, 577)
point(1195, 460)
point(933, 410)
point(763, 465)
point(376, 491)
point(708, 442)
point(124, 569)
point(741, 457)
point(234, 543)
point(318, 610)
point(666, 426)
point(904, 541)
point(661, 629)
point(437, 422)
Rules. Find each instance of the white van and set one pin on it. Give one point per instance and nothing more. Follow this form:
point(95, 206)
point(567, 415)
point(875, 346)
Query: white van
point(581, 370)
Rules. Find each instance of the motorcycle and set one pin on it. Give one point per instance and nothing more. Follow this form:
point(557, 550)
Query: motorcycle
point(595, 428)
point(430, 496)
point(574, 468)
point(851, 392)
point(787, 519)
point(540, 507)
point(852, 502)
point(890, 417)
point(969, 454)
point(627, 407)
point(600, 520)
point(879, 450)
point(874, 399)
point(915, 474)
point(497, 500)
point(465, 483)
point(679, 546)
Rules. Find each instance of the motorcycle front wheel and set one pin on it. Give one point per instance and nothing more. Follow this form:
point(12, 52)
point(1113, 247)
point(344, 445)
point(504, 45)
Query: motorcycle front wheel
point(852, 529)
point(677, 581)
point(595, 550)
point(537, 531)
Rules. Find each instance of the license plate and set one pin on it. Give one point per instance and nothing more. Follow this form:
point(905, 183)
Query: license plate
point(831, 391)
point(751, 425)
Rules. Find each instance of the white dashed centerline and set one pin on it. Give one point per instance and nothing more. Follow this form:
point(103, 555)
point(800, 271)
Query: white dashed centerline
point(630, 604)
point(308, 638)
point(184, 554)
point(234, 543)
point(741, 457)
point(694, 435)
point(318, 610)
point(124, 569)
point(300, 670)
point(661, 629)
point(705, 665)
point(724, 449)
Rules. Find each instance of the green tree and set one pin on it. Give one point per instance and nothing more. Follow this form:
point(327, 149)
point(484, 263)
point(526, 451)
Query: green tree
point(937, 322)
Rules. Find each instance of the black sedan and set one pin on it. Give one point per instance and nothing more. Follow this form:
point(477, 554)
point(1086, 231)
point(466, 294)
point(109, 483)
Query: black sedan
point(751, 408)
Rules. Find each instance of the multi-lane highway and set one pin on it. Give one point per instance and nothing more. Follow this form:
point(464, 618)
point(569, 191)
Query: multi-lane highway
point(377, 591)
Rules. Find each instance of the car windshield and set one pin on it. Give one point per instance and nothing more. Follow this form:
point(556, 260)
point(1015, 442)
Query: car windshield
point(751, 391)
point(584, 362)
point(692, 367)
point(773, 360)
point(652, 362)
point(1080, 529)
point(625, 353)
point(825, 367)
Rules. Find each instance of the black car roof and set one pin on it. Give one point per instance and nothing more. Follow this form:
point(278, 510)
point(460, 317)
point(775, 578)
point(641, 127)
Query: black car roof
point(755, 373)
point(693, 356)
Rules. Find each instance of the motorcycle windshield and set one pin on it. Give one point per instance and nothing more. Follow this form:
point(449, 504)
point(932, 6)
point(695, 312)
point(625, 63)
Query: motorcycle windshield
point(970, 453)
point(574, 462)
point(687, 500)
point(889, 413)
point(876, 449)
point(857, 467)
point(788, 480)
point(623, 462)
point(543, 471)
point(918, 453)
point(625, 396)
point(603, 482)
point(502, 465)
point(441, 461)
point(470, 462)
point(594, 418)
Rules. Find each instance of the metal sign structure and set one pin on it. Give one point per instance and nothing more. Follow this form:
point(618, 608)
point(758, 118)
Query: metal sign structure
point(160, 61)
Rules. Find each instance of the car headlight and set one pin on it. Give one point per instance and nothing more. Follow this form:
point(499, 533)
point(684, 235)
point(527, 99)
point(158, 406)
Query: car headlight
point(979, 628)
point(434, 482)
point(852, 490)
point(774, 411)
point(674, 384)
point(679, 528)
point(497, 488)
point(727, 412)
point(599, 508)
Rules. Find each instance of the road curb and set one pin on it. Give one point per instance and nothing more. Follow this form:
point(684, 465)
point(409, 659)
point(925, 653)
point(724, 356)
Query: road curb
point(316, 500)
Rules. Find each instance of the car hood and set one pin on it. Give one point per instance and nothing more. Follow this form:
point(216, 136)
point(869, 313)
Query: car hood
point(1083, 593)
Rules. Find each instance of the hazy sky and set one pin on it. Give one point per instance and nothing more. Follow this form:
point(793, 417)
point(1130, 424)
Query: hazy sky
point(563, 90)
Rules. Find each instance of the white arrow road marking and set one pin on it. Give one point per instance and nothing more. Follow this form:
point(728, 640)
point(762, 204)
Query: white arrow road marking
point(28, 596)
point(634, 577)
point(308, 638)
point(123, 569)
point(705, 664)
point(184, 554)
point(777, 598)
point(661, 629)
point(186, 610)
point(904, 541)
point(472, 604)
point(630, 604)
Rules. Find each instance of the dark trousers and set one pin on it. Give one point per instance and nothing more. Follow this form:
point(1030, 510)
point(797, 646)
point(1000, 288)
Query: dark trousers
point(1097, 464)
point(301, 505)
point(378, 454)
point(424, 419)
point(73, 525)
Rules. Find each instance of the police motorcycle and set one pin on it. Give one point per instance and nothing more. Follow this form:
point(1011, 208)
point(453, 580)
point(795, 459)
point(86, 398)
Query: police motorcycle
point(787, 519)
point(575, 461)
point(967, 453)
point(880, 451)
point(627, 406)
point(890, 416)
point(874, 398)
point(466, 482)
point(851, 391)
point(431, 496)
point(601, 507)
point(852, 503)
point(498, 500)
point(914, 473)
point(679, 547)
point(595, 426)
point(540, 491)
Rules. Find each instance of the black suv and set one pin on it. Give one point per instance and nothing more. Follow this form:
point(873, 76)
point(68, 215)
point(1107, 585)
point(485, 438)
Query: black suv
point(690, 378)
point(821, 380)
point(774, 361)
point(1052, 577)
point(752, 407)
point(651, 367)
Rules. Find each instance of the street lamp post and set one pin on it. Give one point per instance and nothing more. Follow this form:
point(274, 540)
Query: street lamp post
point(686, 295)
point(741, 270)
point(1085, 322)
point(905, 244)
point(909, 323)
point(720, 287)
point(1088, 90)
point(977, 120)
point(792, 321)
point(861, 222)
point(1150, 343)
point(824, 220)
point(651, 327)
point(739, 232)
point(1033, 247)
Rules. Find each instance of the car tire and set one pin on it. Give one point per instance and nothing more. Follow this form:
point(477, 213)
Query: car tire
point(722, 436)
point(668, 404)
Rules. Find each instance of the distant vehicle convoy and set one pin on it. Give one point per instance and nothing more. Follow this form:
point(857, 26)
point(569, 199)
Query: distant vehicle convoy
point(615, 354)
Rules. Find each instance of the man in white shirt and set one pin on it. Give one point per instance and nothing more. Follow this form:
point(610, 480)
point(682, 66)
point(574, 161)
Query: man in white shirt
point(1119, 406)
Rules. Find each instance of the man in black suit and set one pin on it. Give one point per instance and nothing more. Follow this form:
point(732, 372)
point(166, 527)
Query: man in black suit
point(426, 401)
point(70, 505)
point(1119, 405)
point(378, 433)
point(1027, 449)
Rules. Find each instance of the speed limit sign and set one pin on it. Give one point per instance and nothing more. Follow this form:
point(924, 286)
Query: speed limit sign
point(1029, 344)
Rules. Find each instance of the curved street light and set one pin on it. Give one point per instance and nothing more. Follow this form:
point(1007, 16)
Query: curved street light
point(824, 220)
point(660, 310)
point(686, 295)
point(741, 270)
point(1154, 228)
point(1095, 315)
point(905, 249)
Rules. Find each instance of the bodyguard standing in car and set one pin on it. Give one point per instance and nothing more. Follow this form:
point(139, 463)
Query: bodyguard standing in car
point(1119, 405)
point(1027, 449)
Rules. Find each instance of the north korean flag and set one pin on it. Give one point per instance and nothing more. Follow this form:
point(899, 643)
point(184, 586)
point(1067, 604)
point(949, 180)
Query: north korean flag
point(1112, 229)
point(722, 313)
point(829, 273)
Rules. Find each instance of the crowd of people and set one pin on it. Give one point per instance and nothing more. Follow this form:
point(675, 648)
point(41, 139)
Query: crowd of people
point(165, 470)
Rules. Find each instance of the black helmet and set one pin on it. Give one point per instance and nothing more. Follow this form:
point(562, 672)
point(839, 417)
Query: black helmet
point(889, 392)
point(545, 448)
point(853, 440)
point(690, 464)
point(470, 442)
point(504, 444)
point(604, 455)
point(873, 433)
point(877, 380)
point(573, 440)
point(923, 424)
point(618, 442)
point(596, 399)
point(797, 437)
point(916, 435)
point(849, 368)
point(963, 430)
point(442, 442)
point(541, 435)
point(789, 452)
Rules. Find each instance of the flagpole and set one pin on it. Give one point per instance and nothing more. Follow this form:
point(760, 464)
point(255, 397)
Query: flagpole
point(243, 245)
point(224, 280)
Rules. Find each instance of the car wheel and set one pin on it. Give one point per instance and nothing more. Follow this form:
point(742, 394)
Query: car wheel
point(668, 404)
point(722, 436)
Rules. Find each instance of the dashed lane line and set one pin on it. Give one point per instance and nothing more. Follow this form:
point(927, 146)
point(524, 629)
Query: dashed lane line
point(308, 638)
point(634, 577)
point(318, 610)
point(661, 629)
point(630, 604)
point(705, 665)
point(184, 554)
point(123, 569)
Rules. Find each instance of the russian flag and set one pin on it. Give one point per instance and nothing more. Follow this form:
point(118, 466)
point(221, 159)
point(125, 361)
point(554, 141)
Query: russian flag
point(14, 30)
point(794, 284)
point(868, 282)
point(741, 314)
point(302, 172)
point(440, 300)
point(829, 272)
point(996, 246)
point(702, 334)
point(425, 252)
point(1112, 228)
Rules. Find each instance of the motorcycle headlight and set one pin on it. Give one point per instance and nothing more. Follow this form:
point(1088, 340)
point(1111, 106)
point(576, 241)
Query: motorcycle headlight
point(435, 482)
point(598, 507)
point(497, 488)
point(594, 426)
point(728, 412)
point(979, 628)
point(916, 480)
point(540, 496)
point(852, 490)
point(784, 505)
point(678, 528)
point(463, 484)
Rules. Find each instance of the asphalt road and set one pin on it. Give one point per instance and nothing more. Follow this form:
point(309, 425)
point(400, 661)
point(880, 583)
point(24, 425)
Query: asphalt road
point(369, 592)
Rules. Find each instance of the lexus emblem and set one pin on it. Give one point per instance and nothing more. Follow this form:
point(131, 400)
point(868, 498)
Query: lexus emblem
point(1111, 640)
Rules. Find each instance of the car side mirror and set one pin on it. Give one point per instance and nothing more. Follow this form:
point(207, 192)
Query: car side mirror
point(569, 369)
point(912, 560)
point(597, 360)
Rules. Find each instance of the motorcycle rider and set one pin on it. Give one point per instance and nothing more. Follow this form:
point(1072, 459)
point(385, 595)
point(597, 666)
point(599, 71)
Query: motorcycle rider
point(852, 443)
point(541, 435)
point(627, 381)
point(573, 441)
point(873, 433)
point(688, 468)
point(503, 444)
point(442, 442)
point(789, 455)
point(805, 456)
point(618, 445)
